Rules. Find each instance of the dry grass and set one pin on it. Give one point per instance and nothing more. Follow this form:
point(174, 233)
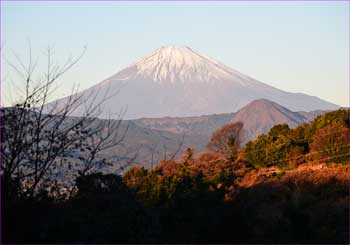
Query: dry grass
point(316, 173)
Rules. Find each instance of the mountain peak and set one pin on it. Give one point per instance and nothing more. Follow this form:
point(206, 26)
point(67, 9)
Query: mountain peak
point(262, 114)
point(177, 64)
point(262, 102)
point(178, 81)
point(175, 47)
point(262, 108)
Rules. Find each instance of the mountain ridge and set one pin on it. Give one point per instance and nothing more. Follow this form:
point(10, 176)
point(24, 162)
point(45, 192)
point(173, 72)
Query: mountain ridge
point(153, 139)
point(257, 117)
point(261, 115)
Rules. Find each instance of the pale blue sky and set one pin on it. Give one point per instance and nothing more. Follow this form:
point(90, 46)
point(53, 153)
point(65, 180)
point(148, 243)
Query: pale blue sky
point(294, 46)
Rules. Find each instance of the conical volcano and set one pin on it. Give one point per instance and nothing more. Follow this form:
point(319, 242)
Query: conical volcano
point(178, 82)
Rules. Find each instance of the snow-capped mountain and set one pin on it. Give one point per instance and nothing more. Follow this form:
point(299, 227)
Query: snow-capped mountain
point(178, 64)
point(177, 81)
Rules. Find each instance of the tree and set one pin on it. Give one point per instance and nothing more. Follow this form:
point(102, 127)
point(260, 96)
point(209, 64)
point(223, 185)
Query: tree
point(266, 151)
point(227, 140)
point(278, 130)
point(214, 168)
point(38, 141)
point(331, 143)
point(255, 151)
point(134, 176)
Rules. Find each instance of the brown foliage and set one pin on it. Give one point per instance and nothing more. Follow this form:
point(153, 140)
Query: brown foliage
point(227, 140)
point(210, 157)
point(331, 143)
point(169, 167)
point(188, 154)
point(134, 175)
point(213, 166)
point(295, 156)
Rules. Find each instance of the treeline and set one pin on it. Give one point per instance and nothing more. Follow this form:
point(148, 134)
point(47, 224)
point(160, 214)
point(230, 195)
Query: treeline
point(198, 197)
point(325, 139)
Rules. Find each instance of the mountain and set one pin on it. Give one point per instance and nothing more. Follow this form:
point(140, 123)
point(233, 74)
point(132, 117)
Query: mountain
point(148, 146)
point(261, 115)
point(257, 117)
point(179, 82)
point(201, 125)
point(310, 115)
point(149, 140)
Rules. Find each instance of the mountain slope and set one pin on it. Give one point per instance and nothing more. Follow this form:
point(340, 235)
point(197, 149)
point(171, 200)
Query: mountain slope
point(258, 117)
point(179, 82)
point(261, 115)
point(149, 140)
point(148, 146)
point(153, 138)
point(201, 125)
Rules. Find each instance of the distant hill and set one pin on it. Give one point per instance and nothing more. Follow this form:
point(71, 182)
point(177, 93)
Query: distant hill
point(203, 125)
point(146, 147)
point(152, 145)
point(261, 115)
point(149, 140)
point(258, 117)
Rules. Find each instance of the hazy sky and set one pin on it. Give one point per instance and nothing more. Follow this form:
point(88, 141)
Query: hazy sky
point(294, 46)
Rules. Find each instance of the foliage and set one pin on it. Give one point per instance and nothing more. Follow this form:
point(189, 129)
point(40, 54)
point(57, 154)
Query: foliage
point(267, 151)
point(341, 116)
point(172, 178)
point(278, 130)
point(227, 140)
point(324, 138)
point(331, 143)
point(295, 156)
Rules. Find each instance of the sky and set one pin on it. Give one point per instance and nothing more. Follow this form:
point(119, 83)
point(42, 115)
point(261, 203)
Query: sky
point(294, 46)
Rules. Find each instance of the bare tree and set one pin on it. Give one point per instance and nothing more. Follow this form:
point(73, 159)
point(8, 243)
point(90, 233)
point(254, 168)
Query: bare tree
point(227, 140)
point(179, 147)
point(38, 138)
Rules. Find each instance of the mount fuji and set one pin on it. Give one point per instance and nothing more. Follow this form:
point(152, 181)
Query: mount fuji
point(179, 82)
